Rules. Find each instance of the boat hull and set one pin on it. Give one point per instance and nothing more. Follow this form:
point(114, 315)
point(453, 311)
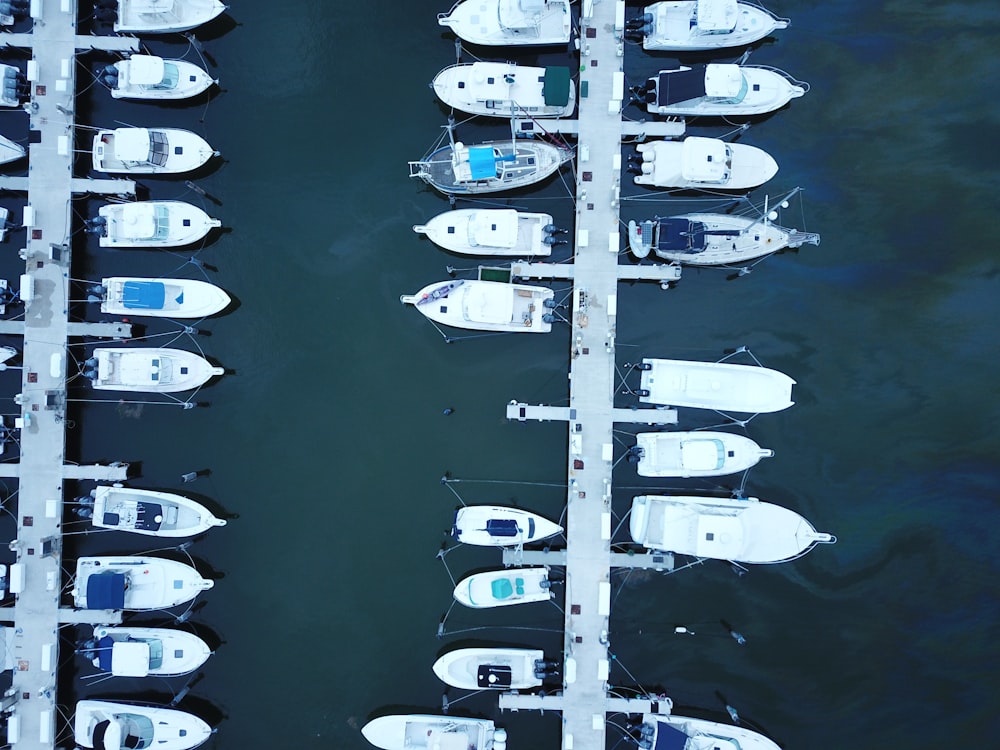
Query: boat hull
point(180, 652)
point(150, 513)
point(504, 588)
point(173, 298)
point(500, 22)
point(167, 728)
point(715, 385)
point(498, 526)
point(490, 668)
point(674, 28)
point(491, 231)
point(696, 454)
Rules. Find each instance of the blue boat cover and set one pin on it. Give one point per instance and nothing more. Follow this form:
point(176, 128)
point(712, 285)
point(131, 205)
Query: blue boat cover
point(681, 236)
point(501, 527)
point(481, 163)
point(668, 738)
point(143, 295)
point(106, 591)
point(104, 647)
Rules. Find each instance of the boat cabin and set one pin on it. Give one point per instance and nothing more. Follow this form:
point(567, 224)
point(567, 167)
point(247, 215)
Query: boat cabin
point(706, 160)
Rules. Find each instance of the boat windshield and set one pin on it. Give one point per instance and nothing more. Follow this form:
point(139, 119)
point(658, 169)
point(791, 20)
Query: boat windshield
point(520, 16)
point(171, 75)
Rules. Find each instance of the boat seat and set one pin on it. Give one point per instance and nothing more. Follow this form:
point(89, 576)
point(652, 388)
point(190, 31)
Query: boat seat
point(502, 588)
point(111, 519)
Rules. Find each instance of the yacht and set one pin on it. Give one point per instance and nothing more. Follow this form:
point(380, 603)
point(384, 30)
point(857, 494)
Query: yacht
point(498, 526)
point(150, 150)
point(503, 588)
point(148, 370)
point(703, 453)
point(697, 25)
point(503, 89)
point(719, 90)
point(492, 668)
point(659, 731)
point(110, 725)
point(146, 512)
point(493, 231)
point(149, 297)
point(155, 78)
point(486, 305)
point(714, 385)
point(164, 16)
point(151, 224)
point(135, 583)
point(144, 652)
point(698, 163)
point(510, 22)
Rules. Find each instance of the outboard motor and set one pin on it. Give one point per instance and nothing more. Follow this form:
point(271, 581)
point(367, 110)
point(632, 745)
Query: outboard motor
point(98, 225)
point(548, 318)
point(109, 76)
point(544, 584)
point(107, 15)
point(552, 241)
point(634, 455)
point(553, 229)
point(91, 363)
point(84, 512)
point(634, 24)
point(549, 304)
point(85, 500)
point(642, 392)
point(97, 289)
point(644, 366)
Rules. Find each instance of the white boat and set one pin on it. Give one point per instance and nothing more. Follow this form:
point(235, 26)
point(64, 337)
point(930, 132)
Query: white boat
point(692, 25)
point(151, 224)
point(153, 77)
point(13, 85)
point(503, 89)
point(489, 167)
point(714, 385)
point(497, 526)
point(492, 668)
point(145, 652)
point(172, 298)
point(659, 731)
point(109, 725)
point(426, 732)
point(703, 453)
point(702, 164)
point(150, 150)
point(148, 370)
point(164, 16)
point(492, 231)
point(135, 583)
point(510, 22)
point(742, 530)
point(502, 588)
point(10, 151)
point(711, 239)
point(719, 90)
point(485, 305)
point(146, 512)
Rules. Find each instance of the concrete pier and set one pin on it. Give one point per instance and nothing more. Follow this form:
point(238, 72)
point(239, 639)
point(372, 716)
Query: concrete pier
point(36, 579)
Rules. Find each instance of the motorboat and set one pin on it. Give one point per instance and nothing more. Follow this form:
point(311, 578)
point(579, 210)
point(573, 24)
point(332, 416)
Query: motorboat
point(698, 163)
point(10, 150)
point(135, 583)
point(502, 588)
point(702, 453)
point(172, 298)
point(144, 652)
point(150, 150)
point(697, 25)
point(665, 731)
point(714, 239)
point(485, 305)
point(157, 78)
point(110, 725)
point(148, 370)
point(146, 512)
point(492, 668)
point(151, 224)
point(510, 22)
point(14, 85)
point(489, 167)
point(743, 530)
point(714, 385)
point(164, 16)
point(503, 89)
point(719, 90)
point(498, 526)
point(493, 231)
point(427, 732)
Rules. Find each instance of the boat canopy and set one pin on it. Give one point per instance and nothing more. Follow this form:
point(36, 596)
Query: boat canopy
point(495, 228)
point(679, 235)
point(132, 144)
point(679, 85)
point(725, 81)
point(703, 454)
point(555, 88)
point(140, 219)
point(106, 591)
point(482, 163)
point(704, 160)
point(124, 658)
point(668, 738)
point(489, 303)
point(145, 70)
point(716, 16)
point(126, 731)
point(145, 295)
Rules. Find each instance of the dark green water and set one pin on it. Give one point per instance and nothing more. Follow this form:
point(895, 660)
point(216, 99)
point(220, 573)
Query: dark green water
point(327, 438)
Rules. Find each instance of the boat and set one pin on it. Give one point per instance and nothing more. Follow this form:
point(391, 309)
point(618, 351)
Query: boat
point(489, 167)
point(149, 150)
point(110, 725)
point(503, 89)
point(703, 453)
point(135, 583)
point(714, 385)
point(173, 298)
point(698, 25)
point(713, 239)
point(148, 370)
point(510, 22)
point(664, 731)
point(164, 16)
point(492, 668)
point(14, 86)
point(702, 163)
point(493, 231)
point(497, 526)
point(719, 90)
point(485, 305)
point(503, 588)
point(146, 512)
point(10, 151)
point(153, 77)
point(427, 732)
point(742, 530)
point(144, 652)
point(151, 224)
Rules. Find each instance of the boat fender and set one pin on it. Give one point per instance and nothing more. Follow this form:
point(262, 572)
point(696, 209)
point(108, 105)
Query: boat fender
point(499, 735)
point(642, 392)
